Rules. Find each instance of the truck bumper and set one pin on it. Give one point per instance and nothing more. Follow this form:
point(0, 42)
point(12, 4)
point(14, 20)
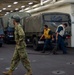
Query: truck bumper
point(40, 42)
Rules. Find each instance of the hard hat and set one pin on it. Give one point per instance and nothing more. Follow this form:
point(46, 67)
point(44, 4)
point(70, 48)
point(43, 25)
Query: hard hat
point(16, 18)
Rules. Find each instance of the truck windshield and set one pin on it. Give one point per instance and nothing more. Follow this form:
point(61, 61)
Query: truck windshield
point(55, 19)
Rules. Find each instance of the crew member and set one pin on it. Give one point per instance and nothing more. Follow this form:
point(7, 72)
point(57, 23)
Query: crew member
point(20, 53)
point(59, 38)
point(47, 34)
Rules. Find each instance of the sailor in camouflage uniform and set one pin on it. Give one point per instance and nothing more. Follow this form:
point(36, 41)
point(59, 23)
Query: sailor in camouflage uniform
point(20, 52)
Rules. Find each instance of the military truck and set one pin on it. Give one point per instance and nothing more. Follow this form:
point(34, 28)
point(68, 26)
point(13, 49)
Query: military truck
point(1, 32)
point(9, 27)
point(33, 27)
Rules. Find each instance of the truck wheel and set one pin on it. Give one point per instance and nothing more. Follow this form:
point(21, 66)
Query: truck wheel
point(35, 43)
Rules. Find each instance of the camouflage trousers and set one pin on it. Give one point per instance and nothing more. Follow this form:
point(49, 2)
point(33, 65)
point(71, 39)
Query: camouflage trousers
point(20, 54)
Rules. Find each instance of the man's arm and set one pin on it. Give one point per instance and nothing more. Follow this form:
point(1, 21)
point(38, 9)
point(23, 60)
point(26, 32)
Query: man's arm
point(57, 33)
point(57, 36)
point(42, 36)
point(21, 34)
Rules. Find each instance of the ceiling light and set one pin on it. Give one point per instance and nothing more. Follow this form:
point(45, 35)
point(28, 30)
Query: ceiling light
point(7, 12)
point(0, 10)
point(16, 8)
point(4, 8)
point(22, 6)
point(30, 3)
point(9, 6)
point(15, 3)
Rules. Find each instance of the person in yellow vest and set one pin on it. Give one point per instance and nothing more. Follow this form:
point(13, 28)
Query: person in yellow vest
point(20, 53)
point(47, 34)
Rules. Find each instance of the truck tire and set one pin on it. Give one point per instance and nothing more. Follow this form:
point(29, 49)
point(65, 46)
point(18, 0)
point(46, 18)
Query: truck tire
point(35, 43)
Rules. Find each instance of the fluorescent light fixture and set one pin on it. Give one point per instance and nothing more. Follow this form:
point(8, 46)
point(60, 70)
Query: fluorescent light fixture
point(0, 10)
point(22, 6)
point(16, 8)
point(4, 8)
point(15, 3)
point(30, 3)
point(9, 6)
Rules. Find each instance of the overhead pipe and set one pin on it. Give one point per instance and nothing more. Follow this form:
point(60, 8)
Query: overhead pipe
point(43, 7)
point(38, 5)
point(52, 5)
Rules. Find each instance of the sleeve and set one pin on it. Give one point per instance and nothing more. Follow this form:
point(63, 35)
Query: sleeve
point(21, 34)
point(59, 29)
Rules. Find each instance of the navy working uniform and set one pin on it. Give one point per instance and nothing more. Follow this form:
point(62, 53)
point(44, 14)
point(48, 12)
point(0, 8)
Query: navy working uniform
point(60, 41)
point(20, 53)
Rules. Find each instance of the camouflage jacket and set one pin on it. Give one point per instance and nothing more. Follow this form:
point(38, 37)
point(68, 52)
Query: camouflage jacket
point(19, 36)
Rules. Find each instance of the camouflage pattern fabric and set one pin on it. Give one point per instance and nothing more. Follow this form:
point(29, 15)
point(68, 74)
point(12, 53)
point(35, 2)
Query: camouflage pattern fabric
point(20, 53)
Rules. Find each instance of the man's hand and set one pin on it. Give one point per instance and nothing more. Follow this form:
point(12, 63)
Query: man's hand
point(17, 42)
point(57, 36)
point(52, 39)
point(41, 37)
